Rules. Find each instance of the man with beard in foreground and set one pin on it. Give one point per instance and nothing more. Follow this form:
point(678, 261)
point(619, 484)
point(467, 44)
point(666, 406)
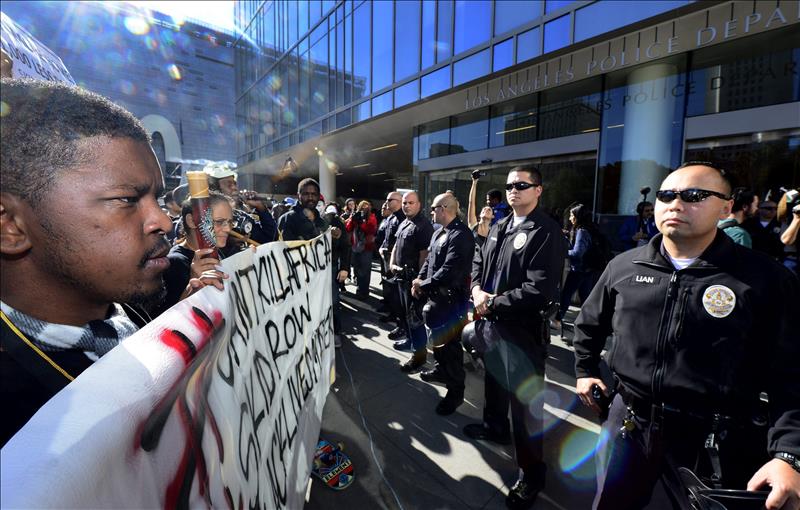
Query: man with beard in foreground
point(81, 233)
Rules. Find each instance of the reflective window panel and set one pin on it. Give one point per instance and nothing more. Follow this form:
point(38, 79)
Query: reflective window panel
point(529, 45)
point(436, 81)
point(472, 23)
point(472, 67)
point(469, 131)
point(509, 14)
point(503, 54)
point(556, 34)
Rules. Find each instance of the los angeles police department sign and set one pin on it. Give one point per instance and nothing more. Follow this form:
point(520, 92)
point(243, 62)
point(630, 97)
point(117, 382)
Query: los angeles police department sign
point(718, 24)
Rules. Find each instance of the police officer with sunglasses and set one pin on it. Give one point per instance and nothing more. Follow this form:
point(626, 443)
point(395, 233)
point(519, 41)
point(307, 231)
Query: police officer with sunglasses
point(702, 340)
point(515, 278)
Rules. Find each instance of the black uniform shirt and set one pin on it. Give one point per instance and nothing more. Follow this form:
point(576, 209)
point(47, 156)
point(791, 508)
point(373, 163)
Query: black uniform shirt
point(449, 261)
point(413, 236)
point(522, 265)
point(393, 223)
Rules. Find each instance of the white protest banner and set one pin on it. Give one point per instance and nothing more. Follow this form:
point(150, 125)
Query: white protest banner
point(215, 404)
point(30, 58)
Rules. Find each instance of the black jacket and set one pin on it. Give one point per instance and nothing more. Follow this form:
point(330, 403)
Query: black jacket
point(449, 261)
point(340, 248)
point(413, 237)
point(390, 237)
point(294, 225)
point(526, 278)
point(709, 337)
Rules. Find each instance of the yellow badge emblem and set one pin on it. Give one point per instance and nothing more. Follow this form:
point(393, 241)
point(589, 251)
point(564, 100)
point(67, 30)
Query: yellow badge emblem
point(719, 301)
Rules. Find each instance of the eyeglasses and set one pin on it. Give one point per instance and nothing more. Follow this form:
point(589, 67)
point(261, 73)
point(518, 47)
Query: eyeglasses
point(434, 207)
point(690, 195)
point(221, 223)
point(521, 186)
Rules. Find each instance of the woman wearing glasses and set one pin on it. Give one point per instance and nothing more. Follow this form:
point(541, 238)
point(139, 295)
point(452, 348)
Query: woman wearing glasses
point(187, 262)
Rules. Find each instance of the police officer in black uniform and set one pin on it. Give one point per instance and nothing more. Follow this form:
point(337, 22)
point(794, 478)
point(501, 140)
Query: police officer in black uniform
point(394, 202)
point(444, 283)
point(701, 327)
point(410, 251)
point(515, 282)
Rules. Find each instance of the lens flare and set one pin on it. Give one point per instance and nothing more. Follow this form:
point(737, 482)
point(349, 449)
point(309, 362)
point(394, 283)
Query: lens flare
point(579, 446)
point(151, 43)
point(274, 82)
point(127, 87)
point(219, 119)
point(288, 117)
point(5, 109)
point(319, 97)
point(174, 72)
point(136, 25)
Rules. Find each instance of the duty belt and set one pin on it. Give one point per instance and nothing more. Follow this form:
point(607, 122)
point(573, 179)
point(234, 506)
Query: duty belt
point(658, 411)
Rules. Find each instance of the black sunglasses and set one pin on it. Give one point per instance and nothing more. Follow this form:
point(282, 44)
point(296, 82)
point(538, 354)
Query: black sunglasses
point(520, 186)
point(690, 195)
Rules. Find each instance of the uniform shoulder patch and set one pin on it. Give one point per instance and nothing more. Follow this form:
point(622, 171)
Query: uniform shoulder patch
point(719, 301)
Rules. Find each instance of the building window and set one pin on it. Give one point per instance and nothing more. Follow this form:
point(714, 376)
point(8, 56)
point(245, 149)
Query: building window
point(556, 34)
point(554, 5)
point(436, 81)
point(428, 34)
point(529, 45)
point(509, 14)
point(471, 68)
point(406, 94)
point(361, 50)
point(514, 121)
point(601, 17)
point(382, 103)
point(444, 30)
point(407, 31)
point(469, 131)
point(503, 55)
point(382, 52)
point(570, 109)
point(434, 139)
point(760, 70)
point(361, 112)
point(472, 23)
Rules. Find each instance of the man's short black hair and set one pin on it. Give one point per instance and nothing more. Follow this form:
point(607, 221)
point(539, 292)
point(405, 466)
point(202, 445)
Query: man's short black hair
point(742, 197)
point(43, 122)
point(536, 175)
point(308, 181)
point(495, 194)
point(726, 179)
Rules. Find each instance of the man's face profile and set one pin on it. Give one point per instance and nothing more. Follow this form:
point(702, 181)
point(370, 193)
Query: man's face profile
point(106, 239)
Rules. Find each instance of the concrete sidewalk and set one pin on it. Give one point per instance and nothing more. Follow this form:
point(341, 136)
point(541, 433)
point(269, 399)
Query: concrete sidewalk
point(406, 456)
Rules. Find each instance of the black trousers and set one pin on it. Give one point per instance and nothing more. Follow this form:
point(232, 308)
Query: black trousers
point(449, 356)
point(640, 470)
point(515, 378)
point(411, 316)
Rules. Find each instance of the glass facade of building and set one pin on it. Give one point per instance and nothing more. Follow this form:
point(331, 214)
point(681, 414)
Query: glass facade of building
point(447, 78)
point(305, 66)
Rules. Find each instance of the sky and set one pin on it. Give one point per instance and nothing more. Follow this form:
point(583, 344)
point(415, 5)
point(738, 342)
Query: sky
point(213, 13)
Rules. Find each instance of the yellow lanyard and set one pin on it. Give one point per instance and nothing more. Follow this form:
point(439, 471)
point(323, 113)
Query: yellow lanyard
point(35, 349)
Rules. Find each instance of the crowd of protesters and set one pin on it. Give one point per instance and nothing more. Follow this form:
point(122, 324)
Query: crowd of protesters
point(86, 261)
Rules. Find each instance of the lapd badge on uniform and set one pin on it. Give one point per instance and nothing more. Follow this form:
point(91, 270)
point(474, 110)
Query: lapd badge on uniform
point(519, 240)
point(719, 301)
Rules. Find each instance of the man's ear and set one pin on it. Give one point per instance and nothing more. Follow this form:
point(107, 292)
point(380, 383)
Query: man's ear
point(190, 221)
point(726, 209)
point(14, 238)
